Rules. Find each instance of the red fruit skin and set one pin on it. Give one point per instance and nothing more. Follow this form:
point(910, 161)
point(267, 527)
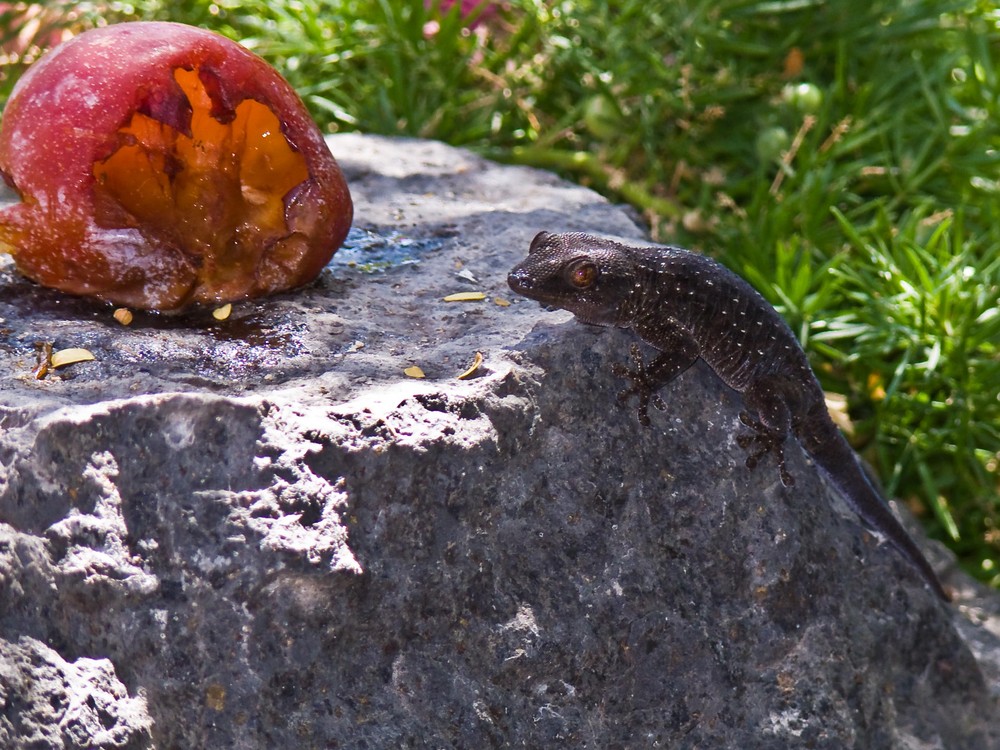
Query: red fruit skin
point(64, 116)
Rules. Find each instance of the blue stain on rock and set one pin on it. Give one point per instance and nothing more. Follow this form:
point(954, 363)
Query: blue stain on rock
point(370, 252)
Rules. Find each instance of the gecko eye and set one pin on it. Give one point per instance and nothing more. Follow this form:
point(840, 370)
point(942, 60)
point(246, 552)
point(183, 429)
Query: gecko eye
point(582, 274)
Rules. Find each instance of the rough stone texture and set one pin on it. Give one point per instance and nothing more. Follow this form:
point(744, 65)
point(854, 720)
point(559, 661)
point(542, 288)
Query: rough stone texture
point(258, 533)
point(49, 702)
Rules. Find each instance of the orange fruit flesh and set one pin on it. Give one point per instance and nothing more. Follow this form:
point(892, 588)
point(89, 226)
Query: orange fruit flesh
point(216, 195)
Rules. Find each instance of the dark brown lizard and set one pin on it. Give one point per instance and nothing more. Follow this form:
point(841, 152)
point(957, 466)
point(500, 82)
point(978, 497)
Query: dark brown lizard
point(688, 306)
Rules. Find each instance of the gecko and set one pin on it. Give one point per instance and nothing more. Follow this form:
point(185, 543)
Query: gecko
point(690, 307)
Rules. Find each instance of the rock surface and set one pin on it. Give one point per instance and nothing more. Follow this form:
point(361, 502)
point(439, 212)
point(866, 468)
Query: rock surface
point(259, 533)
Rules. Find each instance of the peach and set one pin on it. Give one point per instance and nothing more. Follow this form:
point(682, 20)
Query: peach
point(161, 165)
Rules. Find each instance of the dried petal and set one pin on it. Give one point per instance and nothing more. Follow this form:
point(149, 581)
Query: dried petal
point(476, 362)
point(465, 297)
point(65, 357)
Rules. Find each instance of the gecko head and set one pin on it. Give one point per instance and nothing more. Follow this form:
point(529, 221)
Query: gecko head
point(575, 272)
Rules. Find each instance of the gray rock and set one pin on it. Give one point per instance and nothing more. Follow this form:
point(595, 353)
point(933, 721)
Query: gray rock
point(259, 533)
point(49, 702)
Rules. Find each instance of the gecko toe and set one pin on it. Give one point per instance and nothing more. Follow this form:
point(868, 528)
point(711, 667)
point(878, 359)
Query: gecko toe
point(786, 476)
point(644, 408)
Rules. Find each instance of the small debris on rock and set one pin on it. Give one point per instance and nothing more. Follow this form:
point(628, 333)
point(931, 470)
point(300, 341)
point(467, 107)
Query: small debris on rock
point(221, 313)
point(44, 361)
point(71, 356)
point(465, 297)
point(473, 368)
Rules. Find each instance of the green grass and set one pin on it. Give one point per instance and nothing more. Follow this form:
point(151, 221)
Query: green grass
point(844, 157)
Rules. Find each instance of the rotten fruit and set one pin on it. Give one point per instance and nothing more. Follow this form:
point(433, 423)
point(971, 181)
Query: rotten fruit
point(160, 165)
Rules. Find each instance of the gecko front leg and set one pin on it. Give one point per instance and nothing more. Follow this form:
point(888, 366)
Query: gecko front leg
point(676, 355)
point(642, 386)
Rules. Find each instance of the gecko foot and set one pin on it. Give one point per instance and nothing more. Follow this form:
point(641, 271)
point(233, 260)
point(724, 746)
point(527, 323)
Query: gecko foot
point(762, 442)
point(641, 386)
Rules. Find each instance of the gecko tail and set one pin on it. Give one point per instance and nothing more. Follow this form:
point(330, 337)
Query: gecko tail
point(844, 470)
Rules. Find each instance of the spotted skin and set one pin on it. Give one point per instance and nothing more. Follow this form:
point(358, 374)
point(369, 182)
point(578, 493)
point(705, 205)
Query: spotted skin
point(689, 307)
